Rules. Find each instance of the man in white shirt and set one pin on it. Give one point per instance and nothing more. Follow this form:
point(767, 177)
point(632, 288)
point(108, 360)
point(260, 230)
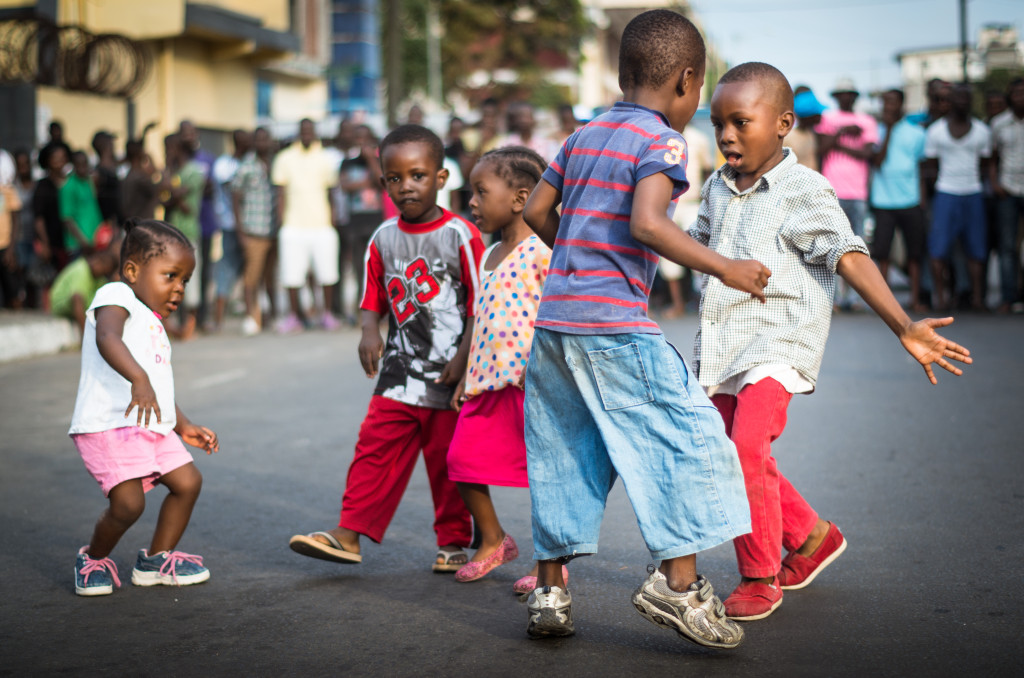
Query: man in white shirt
point(1008, 186)
point(960, 145)
point(304, 176)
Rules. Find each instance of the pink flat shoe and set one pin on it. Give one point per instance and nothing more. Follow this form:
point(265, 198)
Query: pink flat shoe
point(506, 552)
point(527, 584)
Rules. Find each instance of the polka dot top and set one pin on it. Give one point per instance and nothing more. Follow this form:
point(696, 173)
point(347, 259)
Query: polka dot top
point(505, 308)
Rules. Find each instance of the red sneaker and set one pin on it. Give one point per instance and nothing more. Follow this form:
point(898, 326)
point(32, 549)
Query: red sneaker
point(798, 571)
point(753, 600)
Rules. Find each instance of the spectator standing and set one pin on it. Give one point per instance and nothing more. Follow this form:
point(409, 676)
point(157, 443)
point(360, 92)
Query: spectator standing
point(49, 226)
point(803, 139)
point(108, 183)
point(56, 141)
point(896, 192)
point(187, 182)
point(304, 177)
point(253, 207)
point(139, 193)
point(207, 217)
point(79, 208)
point(847, 146)
point(959, 145)
point(25, 185)
point(360, 185)
point(10, 205)
point(522, 127)
point(1008, 187)
point(229, 266)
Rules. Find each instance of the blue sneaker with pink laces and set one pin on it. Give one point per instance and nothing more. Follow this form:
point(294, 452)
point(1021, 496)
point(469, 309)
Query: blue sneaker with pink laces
point(169, 568)
point(94, 576)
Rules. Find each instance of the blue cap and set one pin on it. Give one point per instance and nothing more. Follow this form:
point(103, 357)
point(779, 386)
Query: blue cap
point(806, 105)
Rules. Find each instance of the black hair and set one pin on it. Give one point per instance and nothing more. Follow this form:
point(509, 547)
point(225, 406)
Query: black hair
point(656, 45)
point(1016, 82)
point(897, 91)
point(78, 154)
point(771, 79)
point(133, 148)
point(519, 166)
point(415, 134)
point(148, 238)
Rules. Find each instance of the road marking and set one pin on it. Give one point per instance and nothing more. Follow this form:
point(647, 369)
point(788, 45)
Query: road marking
point(219, 378)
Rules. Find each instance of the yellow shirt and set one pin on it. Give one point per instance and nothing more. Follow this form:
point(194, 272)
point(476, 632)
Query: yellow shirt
point(305, 174)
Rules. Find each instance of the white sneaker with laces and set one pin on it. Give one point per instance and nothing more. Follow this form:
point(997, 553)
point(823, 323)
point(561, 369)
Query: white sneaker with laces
point(550, 610)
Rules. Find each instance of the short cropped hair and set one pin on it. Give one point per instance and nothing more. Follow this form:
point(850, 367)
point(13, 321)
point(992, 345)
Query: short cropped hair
point(896, 91)
point(656, 45)
point(415, 134)
point(771, 79)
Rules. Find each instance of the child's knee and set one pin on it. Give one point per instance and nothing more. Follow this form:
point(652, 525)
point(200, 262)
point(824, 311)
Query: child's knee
point(127, 507)
point(184, 481)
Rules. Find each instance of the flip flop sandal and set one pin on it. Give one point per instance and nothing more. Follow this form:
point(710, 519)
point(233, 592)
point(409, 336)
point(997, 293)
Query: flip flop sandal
point(306, 545)
point(448, 565)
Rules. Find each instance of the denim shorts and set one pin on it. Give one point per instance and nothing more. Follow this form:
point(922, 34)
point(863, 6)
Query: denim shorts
point(958, 216)
point(604, 406)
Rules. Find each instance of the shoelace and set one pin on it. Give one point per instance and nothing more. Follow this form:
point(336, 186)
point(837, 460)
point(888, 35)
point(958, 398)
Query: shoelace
point(97, 565)
point(173, 558)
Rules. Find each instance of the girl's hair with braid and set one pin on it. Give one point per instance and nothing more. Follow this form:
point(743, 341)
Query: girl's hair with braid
point(148, 238)
point(519, 166)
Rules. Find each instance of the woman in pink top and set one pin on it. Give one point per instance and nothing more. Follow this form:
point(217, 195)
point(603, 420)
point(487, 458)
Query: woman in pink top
point(488, 446)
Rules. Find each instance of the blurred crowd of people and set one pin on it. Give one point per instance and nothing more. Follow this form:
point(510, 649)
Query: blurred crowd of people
point(298, 213)
point(949, 183)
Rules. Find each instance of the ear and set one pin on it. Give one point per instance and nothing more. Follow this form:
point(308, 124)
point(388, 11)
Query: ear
point(786, 122)
point(685, 81)
point(130, 271)
point(519, 200)
point(442, 177)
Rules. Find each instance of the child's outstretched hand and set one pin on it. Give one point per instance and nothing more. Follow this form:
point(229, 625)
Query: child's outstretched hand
point(747, 275)
point(200, 436)
point(371, 348)
point(144, 397)
point(928, 347)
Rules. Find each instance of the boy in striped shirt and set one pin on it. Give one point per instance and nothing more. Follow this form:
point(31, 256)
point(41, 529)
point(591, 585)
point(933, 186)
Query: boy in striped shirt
point(606, 395)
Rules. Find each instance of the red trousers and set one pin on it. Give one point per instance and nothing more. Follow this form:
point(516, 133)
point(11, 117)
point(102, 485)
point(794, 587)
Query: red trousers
point(779, 516)
point(390, 441)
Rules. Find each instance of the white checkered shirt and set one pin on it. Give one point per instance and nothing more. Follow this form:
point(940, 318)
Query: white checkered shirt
point(791, 222)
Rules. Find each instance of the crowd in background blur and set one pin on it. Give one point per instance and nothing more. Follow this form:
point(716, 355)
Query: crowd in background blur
point(938, 193)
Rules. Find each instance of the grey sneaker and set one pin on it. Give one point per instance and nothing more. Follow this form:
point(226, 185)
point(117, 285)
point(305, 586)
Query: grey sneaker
point(697, 615)
point(550, 610)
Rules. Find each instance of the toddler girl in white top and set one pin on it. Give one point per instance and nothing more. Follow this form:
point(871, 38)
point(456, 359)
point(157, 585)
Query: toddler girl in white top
point(126, 365)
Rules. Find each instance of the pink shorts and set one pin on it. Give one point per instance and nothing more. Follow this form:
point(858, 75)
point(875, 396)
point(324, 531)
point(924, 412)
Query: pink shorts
point(121, 454)
point(488, 446)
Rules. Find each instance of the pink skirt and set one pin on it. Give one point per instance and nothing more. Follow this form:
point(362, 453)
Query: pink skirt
point(488, 446)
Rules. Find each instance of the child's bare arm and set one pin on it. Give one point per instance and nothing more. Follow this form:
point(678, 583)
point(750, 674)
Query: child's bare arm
point(109, 330)
point(194, 435)
point(649, 224)
point(454, 371)
point(371, 346)
point(919, 338)
point(540, 213)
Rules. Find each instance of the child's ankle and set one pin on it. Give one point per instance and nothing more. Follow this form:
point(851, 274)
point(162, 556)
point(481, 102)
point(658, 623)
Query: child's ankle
point(814, 539)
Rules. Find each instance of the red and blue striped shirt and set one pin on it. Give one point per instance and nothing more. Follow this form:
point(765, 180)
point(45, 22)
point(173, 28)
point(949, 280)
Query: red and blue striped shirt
point(600, 277)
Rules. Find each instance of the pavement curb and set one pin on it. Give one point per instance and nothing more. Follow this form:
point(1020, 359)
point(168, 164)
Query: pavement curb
point(27, 334)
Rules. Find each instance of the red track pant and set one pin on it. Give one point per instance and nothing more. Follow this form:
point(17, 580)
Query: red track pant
point(779, 516)
point(390, 440)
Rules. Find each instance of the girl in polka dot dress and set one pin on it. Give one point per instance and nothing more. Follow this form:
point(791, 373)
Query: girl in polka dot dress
point(488, 446)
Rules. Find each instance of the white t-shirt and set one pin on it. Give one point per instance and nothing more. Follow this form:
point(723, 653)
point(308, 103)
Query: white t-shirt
point(103, 394)
point(959, 173)
point(306, 174)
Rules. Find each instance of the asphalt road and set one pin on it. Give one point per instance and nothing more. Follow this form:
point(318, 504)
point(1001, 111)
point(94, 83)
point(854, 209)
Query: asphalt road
point(926, 483)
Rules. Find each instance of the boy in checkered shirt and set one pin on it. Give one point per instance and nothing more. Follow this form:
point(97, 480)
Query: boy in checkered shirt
point(753, 357)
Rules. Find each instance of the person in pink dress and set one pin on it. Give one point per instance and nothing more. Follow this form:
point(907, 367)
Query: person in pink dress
point(488, 447)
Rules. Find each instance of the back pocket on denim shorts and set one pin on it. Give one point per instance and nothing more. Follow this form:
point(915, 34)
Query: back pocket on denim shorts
point(621, 377)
